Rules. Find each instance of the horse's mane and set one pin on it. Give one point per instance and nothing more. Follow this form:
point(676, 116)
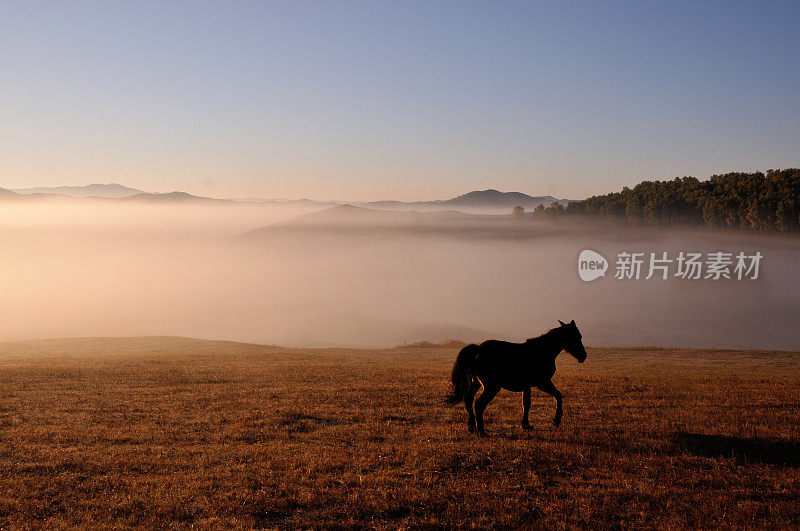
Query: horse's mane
point(549, 336)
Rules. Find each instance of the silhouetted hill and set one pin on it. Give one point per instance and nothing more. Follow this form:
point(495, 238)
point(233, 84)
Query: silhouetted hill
point(347, 214)
point(110, 190)
point(496, 198)
point(480, 200)
point(349, 220)
point(173, 197)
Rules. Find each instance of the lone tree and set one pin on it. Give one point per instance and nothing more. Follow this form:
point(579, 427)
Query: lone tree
point(518, 211)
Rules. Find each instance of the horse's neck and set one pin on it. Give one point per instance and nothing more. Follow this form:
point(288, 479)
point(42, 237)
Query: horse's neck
point(554, 351)
point(551, 347)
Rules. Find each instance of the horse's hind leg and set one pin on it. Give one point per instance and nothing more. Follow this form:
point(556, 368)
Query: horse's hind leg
point(488, 393)
point(550, 389)
point(526, 408)
point(469, 398)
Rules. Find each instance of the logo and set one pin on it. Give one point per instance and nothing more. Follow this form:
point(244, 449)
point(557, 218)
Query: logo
point(591, 265)
point(683, 265)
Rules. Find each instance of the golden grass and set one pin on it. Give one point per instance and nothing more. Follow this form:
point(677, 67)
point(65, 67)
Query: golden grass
point(179, 432)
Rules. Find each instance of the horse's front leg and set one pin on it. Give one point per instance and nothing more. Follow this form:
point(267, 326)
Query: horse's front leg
point(526, 408)
point(550, 389)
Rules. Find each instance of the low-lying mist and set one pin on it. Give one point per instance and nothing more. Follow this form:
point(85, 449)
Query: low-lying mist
point(359, 278)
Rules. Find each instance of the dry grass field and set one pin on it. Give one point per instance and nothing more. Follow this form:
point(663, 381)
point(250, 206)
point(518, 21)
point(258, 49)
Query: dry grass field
point(172, 432)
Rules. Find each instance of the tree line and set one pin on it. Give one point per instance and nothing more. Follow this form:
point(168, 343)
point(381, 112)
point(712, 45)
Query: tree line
point(754, 201)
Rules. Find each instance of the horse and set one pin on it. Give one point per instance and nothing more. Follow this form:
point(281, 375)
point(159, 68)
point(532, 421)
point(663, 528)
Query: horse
point(516, 367)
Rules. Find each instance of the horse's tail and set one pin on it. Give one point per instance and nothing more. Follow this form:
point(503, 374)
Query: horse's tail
point(463, 372)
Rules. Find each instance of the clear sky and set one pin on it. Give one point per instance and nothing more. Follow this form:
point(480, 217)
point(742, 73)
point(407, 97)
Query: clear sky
point(394, 100)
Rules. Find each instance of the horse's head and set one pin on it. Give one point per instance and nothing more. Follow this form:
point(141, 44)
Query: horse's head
point(571, 340)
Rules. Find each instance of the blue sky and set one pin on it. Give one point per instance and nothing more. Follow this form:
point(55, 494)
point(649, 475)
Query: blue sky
point(403, 100)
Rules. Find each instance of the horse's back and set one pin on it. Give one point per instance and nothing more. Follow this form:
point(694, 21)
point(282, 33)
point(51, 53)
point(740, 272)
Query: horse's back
point(510, 365)
point(496, 355)
point(496, 345)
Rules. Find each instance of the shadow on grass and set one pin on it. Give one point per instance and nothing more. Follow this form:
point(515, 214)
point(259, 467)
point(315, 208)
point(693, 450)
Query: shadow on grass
point(779, 452)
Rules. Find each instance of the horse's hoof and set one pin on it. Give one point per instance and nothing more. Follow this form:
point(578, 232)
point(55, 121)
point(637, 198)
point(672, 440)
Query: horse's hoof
point(556, 422)
point(527, 427)
point(482, 433)
point(471, 429)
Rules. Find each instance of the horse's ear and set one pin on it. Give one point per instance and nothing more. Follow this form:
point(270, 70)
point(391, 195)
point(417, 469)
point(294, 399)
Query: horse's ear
point(572, 322)
point(561, 322)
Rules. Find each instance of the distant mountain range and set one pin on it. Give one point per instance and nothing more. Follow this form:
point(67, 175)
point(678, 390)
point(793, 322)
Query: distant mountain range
point(484, 201)
point(112, 190)
point(105, 192)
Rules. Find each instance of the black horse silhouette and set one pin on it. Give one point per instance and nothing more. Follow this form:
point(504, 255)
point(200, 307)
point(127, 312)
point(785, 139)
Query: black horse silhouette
point(513, 366)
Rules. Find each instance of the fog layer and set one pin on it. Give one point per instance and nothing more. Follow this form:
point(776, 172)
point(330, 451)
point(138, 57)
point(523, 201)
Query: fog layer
point(357, 278)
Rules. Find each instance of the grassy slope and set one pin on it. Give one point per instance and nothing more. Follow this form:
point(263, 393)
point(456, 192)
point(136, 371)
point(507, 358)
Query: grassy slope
point(165, 431)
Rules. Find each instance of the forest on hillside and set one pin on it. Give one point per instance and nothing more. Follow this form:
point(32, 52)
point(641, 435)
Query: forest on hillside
point(753, 201)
